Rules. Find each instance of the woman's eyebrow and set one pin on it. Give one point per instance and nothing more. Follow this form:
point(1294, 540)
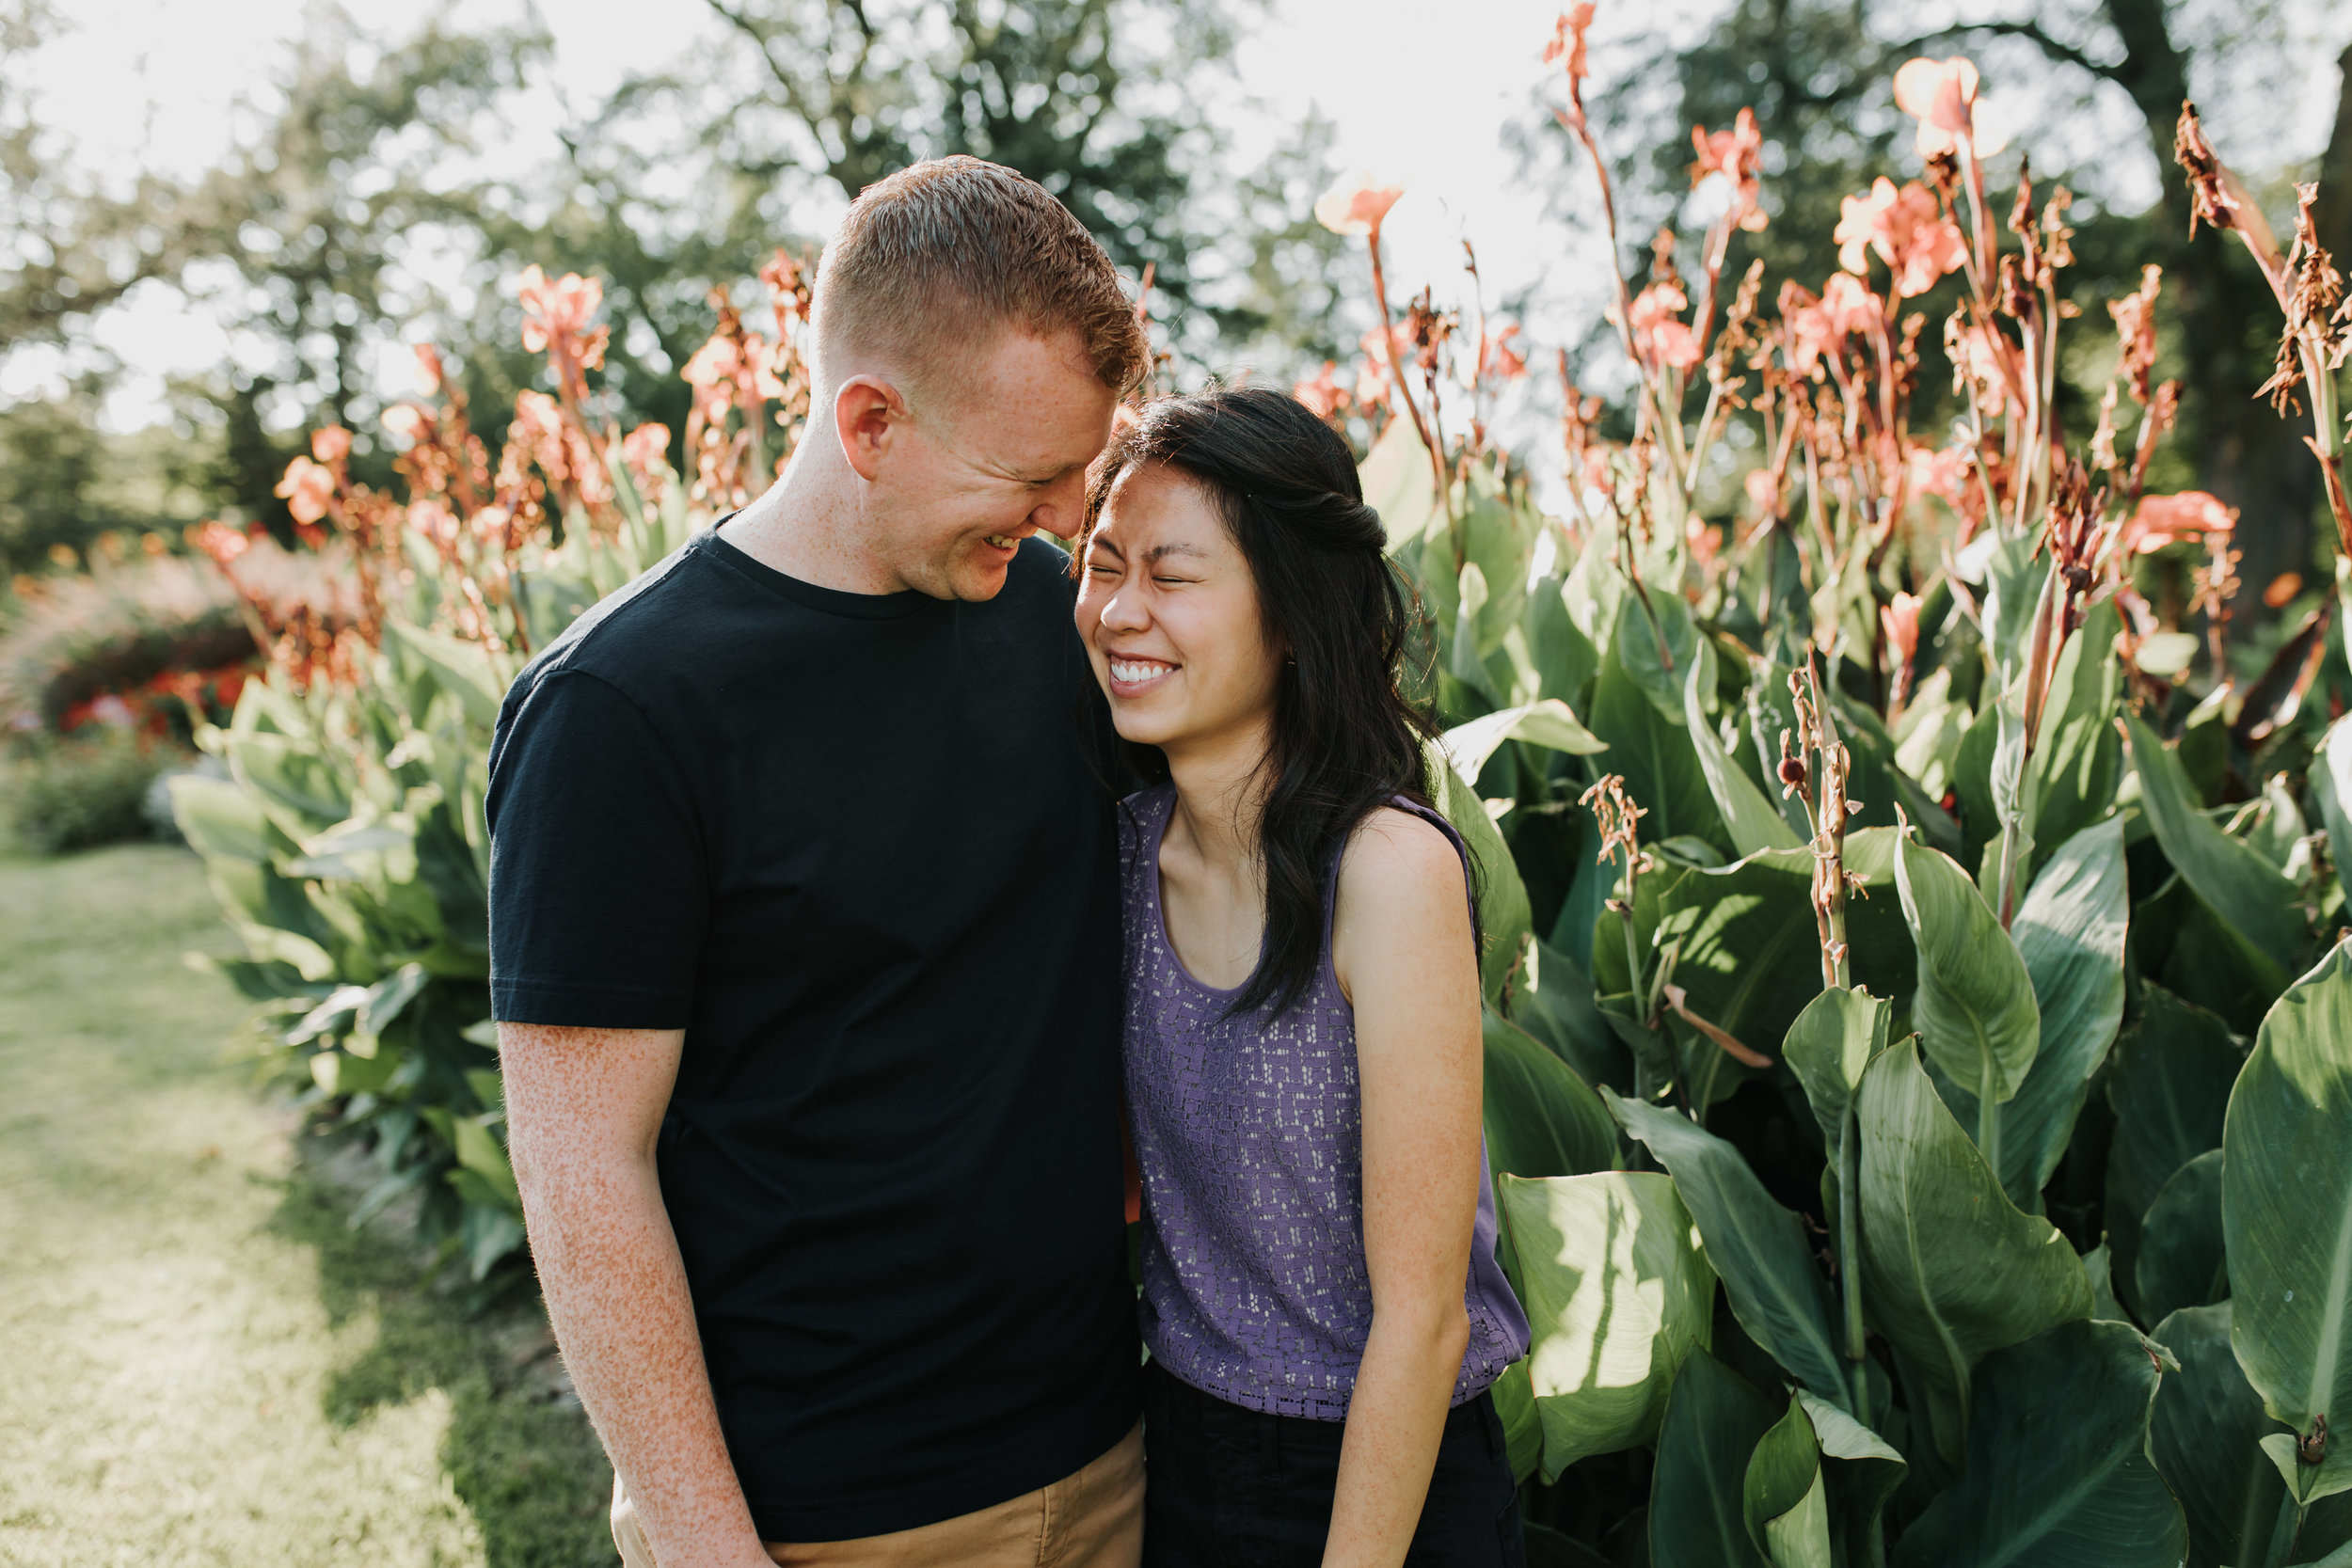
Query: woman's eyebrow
point(1174, 546)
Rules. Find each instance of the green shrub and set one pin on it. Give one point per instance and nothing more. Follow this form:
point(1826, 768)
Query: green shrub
point(77, 792)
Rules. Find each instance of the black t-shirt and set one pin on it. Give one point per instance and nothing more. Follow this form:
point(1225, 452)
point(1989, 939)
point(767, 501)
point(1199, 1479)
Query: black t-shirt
point(860, 849)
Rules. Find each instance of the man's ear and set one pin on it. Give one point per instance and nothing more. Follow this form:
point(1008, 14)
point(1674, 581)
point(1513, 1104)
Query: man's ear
point(866, 414)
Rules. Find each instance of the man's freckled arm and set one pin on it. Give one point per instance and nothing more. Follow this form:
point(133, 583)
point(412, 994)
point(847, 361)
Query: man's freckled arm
point(583, 1108)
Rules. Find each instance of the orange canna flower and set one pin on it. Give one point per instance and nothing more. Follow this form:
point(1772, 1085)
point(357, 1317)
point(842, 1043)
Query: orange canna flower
point(1355, 203)
point(406, 420)
point(2136, 325)
point(331, 444)
point(556, 313)
point(1850, 306)
point(1503, 362)
point(219, 541)
point(647, 447)
point(1763, 492)
point(1566, 45)
point(1661, 337)
point(1942, 96)
point(2162, 520)
point(1322, 395)
point(1908, 229)
point(1899, 621)
point(305, 489)
point(1735, 154)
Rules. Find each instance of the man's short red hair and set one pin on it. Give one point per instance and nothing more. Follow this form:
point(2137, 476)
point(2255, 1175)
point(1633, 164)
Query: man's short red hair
point(935, 257)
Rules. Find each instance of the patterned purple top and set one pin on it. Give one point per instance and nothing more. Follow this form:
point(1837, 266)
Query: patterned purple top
point(1250, 1135)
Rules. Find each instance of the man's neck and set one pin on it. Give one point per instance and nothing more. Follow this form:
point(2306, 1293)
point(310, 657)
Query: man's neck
point(812, 526)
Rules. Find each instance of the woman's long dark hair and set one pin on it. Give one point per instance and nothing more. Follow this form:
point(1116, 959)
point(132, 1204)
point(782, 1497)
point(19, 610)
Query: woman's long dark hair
point(1345, 739)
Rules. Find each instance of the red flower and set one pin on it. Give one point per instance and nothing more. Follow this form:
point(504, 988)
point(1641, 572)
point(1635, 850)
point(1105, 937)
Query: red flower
point(1355, 203)
point(2162, 520)
point(306, 488)
point(1909, 231)
point(1323, 396)
point(1566, 46)
point(1661, 337)
point(1942, 96)
point(1734, 155)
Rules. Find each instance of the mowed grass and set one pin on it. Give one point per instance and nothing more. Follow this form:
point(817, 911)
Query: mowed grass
point(200, 1363)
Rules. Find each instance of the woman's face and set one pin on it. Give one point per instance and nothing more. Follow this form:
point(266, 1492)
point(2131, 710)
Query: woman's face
point(1168, 610)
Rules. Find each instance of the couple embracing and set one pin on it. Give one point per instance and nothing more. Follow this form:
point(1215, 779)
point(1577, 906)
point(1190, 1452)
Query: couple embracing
point(824, 951)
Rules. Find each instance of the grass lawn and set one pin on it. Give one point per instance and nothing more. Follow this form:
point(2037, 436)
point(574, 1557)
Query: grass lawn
point(199, 1362)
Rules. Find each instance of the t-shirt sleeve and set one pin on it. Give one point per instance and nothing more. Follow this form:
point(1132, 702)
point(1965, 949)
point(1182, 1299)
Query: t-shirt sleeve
point(600, 891)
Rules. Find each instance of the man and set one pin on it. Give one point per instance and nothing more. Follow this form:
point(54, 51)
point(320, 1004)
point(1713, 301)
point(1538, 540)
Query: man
point(806, 948)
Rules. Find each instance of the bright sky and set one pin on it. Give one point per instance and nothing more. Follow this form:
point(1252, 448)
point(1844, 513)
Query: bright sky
point(1425, 100)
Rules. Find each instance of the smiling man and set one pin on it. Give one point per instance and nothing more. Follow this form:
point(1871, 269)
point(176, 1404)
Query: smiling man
point(804, 948)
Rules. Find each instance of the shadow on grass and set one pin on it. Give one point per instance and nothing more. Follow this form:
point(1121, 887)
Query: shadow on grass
point(518, 1452)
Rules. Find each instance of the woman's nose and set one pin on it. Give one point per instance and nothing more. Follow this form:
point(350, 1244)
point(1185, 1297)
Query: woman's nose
point(1124, 611)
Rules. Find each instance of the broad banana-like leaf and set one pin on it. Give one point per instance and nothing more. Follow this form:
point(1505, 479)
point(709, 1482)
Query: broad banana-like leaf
point(2058, 1473)
point(2070, 930)
point(1503, 917)
point(2205, 1437)
point(1749, 816)
point(1697, 1513)
point(1650, 749)
point(1643, 625)
point(2077, 759)
point(2180, 1240)
point(1832, 1042)
point(1564, 656)
point(292, 779)
point(1951, 1270)
point(1541, 1119)
point(465, 670)
point(1756, 1247)
point(1784, 1496)
point(2331, 786)
point(1863, 1470)
point(1975, 1006)
point(1619, 1294)
point(1549, 724)
point(1398, 485)
point(222, 822)
point(1553, 1002)
point(2250, 897)
point(1747, 948)
point(2104, 1304)
point(2286, 1206)
point(1523, 1429)
point(2169, 1090)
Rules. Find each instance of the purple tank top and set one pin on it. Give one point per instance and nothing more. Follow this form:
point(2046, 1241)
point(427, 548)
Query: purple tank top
point(1250, 1135)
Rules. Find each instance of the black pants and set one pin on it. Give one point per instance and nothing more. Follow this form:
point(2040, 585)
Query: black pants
point(1227, 1487)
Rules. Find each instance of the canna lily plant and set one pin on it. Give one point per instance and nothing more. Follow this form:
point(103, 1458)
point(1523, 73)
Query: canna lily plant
point(1902, 918)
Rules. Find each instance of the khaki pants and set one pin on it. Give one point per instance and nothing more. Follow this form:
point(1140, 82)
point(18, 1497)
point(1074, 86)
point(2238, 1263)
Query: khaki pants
point(1089, 1519)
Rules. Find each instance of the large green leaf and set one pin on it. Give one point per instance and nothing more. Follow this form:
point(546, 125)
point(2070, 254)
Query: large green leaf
point(465, 670)
point(2205, 1437)
point(1749, 816)
point(1397, 483)
point(1643, 625)
point(2070, 930)
point(1951, 1269)
point(2169, 1090)
point(1547, 723)
point(1553, 1002)
point(1756, 1247)
point(2247, 893)
point(2180, 1240)
point(1618, 1295)
point(2331, 787)
point(1975, 1006)
point(1863, 1470)
point(1697, 1515)
point(1748, 950)
point(1839, 1035)
point(2058, 1473)
point(2078, 756)
point(1565, 659)
point(1503, 917)
point(221, 821)
point(1541, 1119)
point(2287, 1215)
point(1523, 1429)
point(1651, 751)
point(1784, 1496)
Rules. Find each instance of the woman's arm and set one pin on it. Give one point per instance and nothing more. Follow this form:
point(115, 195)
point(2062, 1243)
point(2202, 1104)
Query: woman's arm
point(1401, 947)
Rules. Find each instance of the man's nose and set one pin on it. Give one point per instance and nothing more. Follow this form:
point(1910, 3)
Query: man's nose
point(1062, 510)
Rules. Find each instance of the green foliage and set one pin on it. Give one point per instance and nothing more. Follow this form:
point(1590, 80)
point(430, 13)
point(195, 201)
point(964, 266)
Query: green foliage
point(77, 792)
point(348, 849)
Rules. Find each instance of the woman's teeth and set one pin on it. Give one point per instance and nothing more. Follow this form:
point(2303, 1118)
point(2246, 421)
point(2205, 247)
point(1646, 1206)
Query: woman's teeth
point(1132, 673)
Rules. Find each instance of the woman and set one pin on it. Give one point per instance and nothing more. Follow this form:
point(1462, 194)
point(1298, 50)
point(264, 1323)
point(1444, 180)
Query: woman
point(1321, 1298)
